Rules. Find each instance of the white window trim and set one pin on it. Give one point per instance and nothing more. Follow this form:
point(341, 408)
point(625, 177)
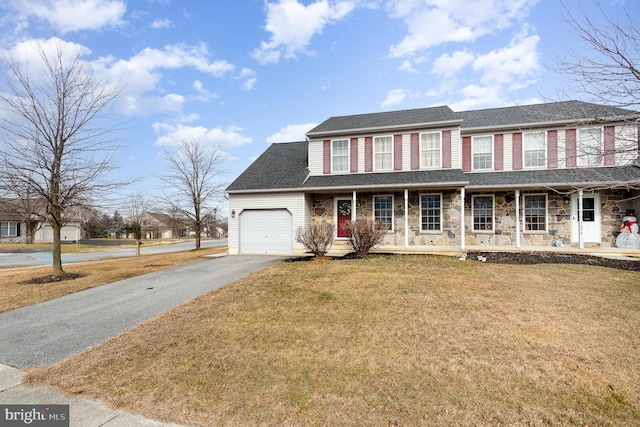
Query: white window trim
point(15, 227)
point(439, 231)
point(524, 151)
point(546, 214)
point(390, 168)
point(493, 214)
point(579, 145)
point(348, 155)
point(393, 225)
point(439, 166)
point(473, 166)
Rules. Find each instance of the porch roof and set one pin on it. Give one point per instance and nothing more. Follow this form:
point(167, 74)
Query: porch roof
point(617, 177)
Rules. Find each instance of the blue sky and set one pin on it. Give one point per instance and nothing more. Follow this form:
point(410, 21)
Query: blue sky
point(243, 74)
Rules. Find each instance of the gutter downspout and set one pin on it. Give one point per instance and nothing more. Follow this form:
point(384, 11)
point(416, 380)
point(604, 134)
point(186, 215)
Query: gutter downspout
point(462, 235)
point(518, 219)
point(406, 218)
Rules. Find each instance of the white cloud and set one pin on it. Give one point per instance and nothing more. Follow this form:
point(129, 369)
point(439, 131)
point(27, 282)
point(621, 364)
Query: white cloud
point(292, 26)
point(448, 65)
point(394, 97)
point(248, 78)
point(291, 133)
point(434, 22)
point(159, 24)
point(203, 94)
point(170, 135)
point(72, 15)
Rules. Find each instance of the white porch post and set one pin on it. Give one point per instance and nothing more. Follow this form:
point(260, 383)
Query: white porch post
point(353, 207)
point(518, 219)
point(580, 225)
point(406, 218)
point(462, 235)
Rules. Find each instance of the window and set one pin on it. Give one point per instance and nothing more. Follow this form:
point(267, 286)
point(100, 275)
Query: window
point(8, 229)
point(482, 152)
point(430, 150)
point(590, 147)
point(382, 153)
point(535, 149)
point(535, 212)
point(430, 212)
point(589, 209)
point(383, 210)
point(483, 213)
point(340, 155)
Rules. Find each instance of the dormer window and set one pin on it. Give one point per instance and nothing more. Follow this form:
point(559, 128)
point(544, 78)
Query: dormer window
point(430, 144)
point(383, 153)
point(340, 155)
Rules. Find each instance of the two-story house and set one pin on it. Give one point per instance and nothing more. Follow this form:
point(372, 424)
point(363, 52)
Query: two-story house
point(540, 175)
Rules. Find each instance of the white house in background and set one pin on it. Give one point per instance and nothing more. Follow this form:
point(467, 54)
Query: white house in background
point(539, 175)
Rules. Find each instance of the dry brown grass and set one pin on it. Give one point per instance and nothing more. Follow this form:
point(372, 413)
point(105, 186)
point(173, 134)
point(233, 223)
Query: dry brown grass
point(389, 340)
point(15, 294)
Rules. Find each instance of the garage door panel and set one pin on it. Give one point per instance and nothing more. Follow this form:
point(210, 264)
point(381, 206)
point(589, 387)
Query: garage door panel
point(266, 231)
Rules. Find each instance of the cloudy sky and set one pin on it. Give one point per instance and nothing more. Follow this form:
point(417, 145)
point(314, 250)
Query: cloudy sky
point(241, 75)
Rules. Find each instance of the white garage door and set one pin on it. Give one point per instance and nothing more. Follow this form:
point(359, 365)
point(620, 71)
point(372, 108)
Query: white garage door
point(266, 231)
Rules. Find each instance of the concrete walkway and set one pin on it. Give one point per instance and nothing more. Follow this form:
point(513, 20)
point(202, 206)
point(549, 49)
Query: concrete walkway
point(48, 332)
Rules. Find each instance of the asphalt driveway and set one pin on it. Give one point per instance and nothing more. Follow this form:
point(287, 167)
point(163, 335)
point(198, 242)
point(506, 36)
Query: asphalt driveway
point(45, 333)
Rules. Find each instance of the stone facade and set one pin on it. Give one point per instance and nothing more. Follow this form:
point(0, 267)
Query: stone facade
point(614, 204)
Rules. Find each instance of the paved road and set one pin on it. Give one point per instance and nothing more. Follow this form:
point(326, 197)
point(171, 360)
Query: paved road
point(45, 333)
point(44, 257)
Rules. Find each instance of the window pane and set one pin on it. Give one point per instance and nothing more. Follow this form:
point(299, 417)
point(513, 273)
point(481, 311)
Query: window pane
point(534, 149)
point(383, 210)
point(588, 209)
point(535, 212)
point(482, 152)
point(430, 150)
point(483, 213)
point(590, 149)
point(4, 228)
point(340, 155)
point(382, 153)
point(430, 211)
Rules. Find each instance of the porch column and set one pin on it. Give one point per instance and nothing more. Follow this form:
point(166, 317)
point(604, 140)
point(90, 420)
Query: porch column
point(580, 229)
point(406, 218)
point(462, 236)
point(353, 207)
point(518, 219)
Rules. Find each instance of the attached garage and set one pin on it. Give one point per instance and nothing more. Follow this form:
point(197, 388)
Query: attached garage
point(266, 232)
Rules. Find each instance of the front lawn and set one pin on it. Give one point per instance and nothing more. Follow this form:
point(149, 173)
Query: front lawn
point(389, 340)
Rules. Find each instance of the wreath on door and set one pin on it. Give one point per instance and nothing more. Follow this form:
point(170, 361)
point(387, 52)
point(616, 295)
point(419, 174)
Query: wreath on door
point(344, 208)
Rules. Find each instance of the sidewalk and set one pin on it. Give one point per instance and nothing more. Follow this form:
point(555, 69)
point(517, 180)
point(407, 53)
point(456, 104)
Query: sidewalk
point(82, 412)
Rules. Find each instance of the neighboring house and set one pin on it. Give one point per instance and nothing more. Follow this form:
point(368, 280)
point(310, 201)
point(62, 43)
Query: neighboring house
point(540, 175)
point(13, 228)
point(156, 225)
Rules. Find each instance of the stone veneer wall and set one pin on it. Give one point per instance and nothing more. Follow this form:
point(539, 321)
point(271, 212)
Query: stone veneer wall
point(613, 208)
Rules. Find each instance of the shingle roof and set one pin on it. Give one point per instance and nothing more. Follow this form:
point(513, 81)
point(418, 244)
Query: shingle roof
point(557, 112)
point(281, 166)
point(434, 178)
point(556, 178)
point(390, 119)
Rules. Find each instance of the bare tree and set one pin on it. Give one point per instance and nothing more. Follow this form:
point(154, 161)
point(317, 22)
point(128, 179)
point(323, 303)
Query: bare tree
point(136, 212)
point(607, 66)
point(193, 178)
point(51, 141)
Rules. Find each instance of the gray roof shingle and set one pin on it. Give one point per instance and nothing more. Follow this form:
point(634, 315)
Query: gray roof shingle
point(433, 178)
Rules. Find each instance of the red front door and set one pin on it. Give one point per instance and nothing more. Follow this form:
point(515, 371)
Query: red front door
point(344, 215)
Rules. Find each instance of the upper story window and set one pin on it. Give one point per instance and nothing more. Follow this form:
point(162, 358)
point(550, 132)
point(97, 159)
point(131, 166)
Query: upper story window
point(482, 148)
point(383, 153)
point(535, 149)
point(590, 147)
point(383, 210)
point(8, 229)
point(482, 213)
point(430, 150)
point(340, 155)
point(430, 212)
